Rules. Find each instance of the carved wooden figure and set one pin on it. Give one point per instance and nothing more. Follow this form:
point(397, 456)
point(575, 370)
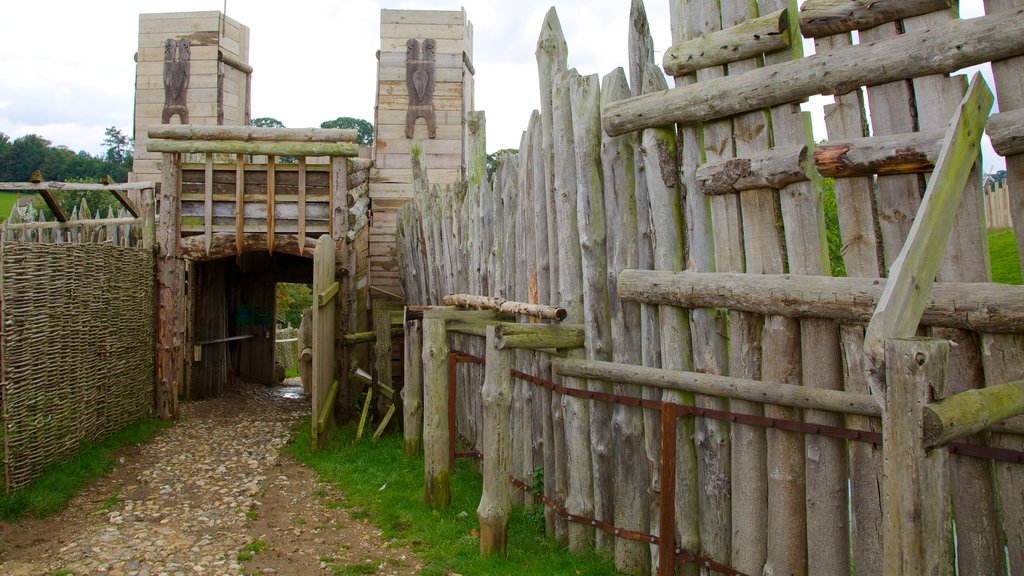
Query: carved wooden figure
point(177, 58)
point(419, 80)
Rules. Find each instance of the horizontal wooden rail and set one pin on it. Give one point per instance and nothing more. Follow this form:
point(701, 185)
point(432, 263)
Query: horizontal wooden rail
point(775, 168)
point(505, 306)
point(233, 62)
point(751, 38)
point(354, 338)
point(971, 411)
point(827, 17)
point(223, 244)
point(252, 134)
point(722, 386)
point(226, 339)
point(262, 148)
point(983, 307)
point(74, 186)
point(956, 45)
point(887, 154)
point(1006, 130)
point(536, 336)
point(71, 224)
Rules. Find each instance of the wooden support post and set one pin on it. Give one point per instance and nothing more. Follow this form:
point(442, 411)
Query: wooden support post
point(667, 496)
point(412, 391)
point(170, 272)
point(271, 186)
point(302, 198)
point(436, 457)
point(149, 219)
point(496, 500)
point(917, 533)
point(382, 346)
point(208, 202)
point(239, 203)
point(453, 376)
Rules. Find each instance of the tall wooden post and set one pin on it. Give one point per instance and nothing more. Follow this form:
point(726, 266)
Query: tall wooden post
point(917, 535)
point(496, 500)
point(437, 491)
point(344, 302)
point(412, 391)
point(170, 273)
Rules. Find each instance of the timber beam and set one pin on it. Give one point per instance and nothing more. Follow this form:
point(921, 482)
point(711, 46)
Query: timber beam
point(258, 147)
point(981, 307)
point(892, 154)
point(223, 244)
point(538, 336)
point(1006, 129)
point(956, 45)
point(747, 40)
point(820, 18)
point(505, 307)
point(251, 134)
point(971, 411)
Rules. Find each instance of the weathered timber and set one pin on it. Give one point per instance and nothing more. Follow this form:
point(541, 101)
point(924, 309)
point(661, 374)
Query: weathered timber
point(251, 134)
point(437, 463)
point(585, 95)
point(746, 40)
point(658, 150)
point(957, 45)
point(774, 168)
point(262, 148)
point(536, 336)
point(353, 338)
point(358, 210)
point(58, 225)
point(75, 186)
point(886, 154)
point(382, 344)
point(911, 277)
point(170, 278)
point(630, 476)
point(552, 56)
point(826, 17)
point(579, 496)
point(765, 392)
point(982, 307)
point(235, 63)
point(324, 322)
point(1006, 129)
point(208, 203)
point(971, 411)
point(505, 307)
point(917, 536)
point(496, 501)
point(224, 244)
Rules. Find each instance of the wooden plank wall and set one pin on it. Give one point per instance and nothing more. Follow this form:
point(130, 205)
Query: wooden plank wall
point(391, 176)
point(209, 33)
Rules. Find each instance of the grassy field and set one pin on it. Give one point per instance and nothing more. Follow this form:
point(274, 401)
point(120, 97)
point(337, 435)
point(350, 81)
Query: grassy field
point(1005, 261)
point(383, 485)
point(7, 200)
point(51, 492)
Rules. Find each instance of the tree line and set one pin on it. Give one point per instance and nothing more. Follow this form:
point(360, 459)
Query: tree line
point(22, 156)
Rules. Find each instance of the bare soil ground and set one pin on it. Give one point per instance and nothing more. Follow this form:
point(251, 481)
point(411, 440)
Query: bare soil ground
point(212, 495)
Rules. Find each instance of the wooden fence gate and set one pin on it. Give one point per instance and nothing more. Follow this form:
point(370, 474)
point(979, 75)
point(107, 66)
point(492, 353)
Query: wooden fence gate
point(325, 385)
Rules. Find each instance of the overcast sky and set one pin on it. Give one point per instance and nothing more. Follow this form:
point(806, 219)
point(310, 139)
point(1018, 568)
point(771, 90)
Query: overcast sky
point(67, 73)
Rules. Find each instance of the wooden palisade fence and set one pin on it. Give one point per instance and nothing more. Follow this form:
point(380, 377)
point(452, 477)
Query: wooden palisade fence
point(734, 409)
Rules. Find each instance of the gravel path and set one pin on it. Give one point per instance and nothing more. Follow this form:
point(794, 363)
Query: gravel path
point(211, 495)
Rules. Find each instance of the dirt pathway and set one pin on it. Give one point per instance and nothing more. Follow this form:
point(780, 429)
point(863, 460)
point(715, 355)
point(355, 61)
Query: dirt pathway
point(212, 495)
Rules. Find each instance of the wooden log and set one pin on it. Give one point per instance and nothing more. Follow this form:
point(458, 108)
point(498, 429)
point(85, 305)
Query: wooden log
point(552, 56)
point(358, 210)
point(1006, 130)
point(827, 17)
point(980, 307)
point(354, 338)
point(886, 154)
point(957, 45)
point(971, 411)
point(914, 492)
point(437, 463)
point(57, 225)
point(746, 40)
point(224, 244)
point(912, 275)
point(658, 150)
point(76, 186)
point(258, 148)
point(537, 336)
point(770, 169)
point(239, 203)
point(585, 95)
point(630, 477)
point(412, 389)
point(505, 307)
point(170, 273)
point(579, 496)
point(250, 133)
point(496, 501)
point(765, 392)
point(301, 203)
point(208, 203)
point(357, 177)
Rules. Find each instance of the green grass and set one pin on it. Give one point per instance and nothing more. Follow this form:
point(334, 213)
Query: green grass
point(51, 492)
point(387, 487)
point(292, 372)
point(1003, 253)
point(7, 200)
point(252, 549)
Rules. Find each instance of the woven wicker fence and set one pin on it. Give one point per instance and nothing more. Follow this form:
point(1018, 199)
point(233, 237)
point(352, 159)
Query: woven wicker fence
point(77, 354)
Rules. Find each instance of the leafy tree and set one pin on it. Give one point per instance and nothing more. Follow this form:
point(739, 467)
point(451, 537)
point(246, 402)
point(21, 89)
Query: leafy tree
point(494, 159)
point(292, 299)
point(119, 146)
point(364, 128)
point(22, 157)
point(835, 239)
point(266, 122)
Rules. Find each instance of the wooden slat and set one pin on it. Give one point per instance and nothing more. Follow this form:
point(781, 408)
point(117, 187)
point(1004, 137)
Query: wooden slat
point(239, 201)
point(302, 197)
point(208, 202)
point(271, 161)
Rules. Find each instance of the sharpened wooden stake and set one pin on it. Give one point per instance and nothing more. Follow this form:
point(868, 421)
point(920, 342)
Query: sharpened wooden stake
point(496, 501)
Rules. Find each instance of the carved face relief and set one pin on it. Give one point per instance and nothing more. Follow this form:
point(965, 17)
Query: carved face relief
point(185, 49)
point(170, 48)
point(429, 49)
point(411, 49)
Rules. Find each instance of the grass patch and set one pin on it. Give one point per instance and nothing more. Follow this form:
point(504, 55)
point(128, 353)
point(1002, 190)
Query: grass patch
point(1003, 253)
point(292, 372)
point(445, 540)
point(355, 569)
point(51, 492)
point(252, 549)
